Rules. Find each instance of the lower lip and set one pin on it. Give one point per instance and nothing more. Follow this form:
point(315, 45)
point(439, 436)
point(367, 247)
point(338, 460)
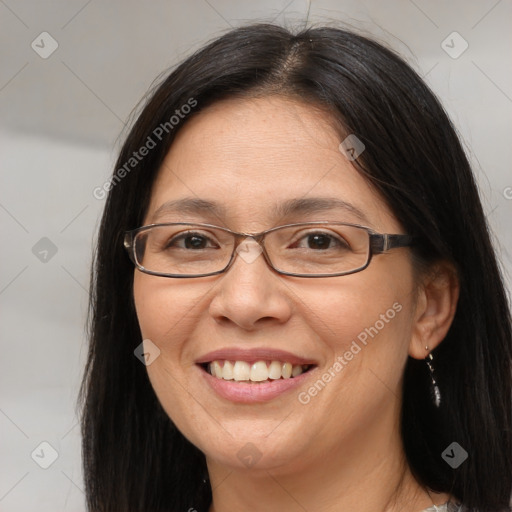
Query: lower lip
point(244, 393)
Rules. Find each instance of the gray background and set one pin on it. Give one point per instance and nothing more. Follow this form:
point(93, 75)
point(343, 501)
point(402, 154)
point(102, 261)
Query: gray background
point(60, 122)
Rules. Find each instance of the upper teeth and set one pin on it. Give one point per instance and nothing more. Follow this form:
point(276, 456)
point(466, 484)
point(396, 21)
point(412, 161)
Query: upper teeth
point(256, 372)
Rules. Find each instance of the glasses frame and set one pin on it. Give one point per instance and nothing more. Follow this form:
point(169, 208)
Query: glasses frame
point(378, 243)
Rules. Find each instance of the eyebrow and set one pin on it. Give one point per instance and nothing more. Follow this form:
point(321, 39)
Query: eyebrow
point(291, 207)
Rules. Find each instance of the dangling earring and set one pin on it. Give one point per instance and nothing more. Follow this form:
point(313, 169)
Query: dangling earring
point(436, 394)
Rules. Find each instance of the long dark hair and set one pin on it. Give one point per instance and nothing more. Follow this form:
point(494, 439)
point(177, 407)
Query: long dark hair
point(134, 457)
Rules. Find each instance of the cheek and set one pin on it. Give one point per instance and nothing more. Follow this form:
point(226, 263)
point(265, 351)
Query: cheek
point(365, 333)
point(167, 317)
point(364, 324)
point(355, 307)
point(165, 309)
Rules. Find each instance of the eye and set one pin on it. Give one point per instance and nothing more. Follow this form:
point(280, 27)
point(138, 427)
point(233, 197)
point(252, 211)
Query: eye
point(322, 241)
point(190, 240)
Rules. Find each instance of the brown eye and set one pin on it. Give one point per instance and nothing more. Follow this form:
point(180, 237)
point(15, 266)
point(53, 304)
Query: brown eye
point(190, 241)
point(320, 241)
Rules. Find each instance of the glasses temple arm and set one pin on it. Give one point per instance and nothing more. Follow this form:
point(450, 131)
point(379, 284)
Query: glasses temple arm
point(382, 243)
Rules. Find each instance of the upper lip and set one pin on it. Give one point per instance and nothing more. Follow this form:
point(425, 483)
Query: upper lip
point(253, 355)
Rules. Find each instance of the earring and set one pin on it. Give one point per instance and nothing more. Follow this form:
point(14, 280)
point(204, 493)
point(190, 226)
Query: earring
point(436, 394)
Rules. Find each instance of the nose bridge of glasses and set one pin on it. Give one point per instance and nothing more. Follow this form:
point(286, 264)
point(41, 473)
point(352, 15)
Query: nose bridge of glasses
point(248, 246)
point(243, 241)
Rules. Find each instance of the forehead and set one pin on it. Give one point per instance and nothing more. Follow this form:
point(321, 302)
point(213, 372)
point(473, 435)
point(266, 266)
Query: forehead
point(253, 158)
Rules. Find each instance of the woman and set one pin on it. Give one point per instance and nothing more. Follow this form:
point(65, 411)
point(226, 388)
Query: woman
point(296, 304)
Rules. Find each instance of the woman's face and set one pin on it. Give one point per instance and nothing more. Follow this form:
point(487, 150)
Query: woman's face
point(248, 157)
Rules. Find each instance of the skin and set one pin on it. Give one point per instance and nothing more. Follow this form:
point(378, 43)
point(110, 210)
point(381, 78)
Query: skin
point(342, 450)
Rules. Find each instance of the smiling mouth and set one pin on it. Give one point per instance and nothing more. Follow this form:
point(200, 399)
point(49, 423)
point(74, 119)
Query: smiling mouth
point(258, 372)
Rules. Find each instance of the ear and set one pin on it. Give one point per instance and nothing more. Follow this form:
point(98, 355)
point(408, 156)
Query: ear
point(436, 304)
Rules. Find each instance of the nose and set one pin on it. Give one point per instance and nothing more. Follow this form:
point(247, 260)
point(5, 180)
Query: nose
point(250, 294)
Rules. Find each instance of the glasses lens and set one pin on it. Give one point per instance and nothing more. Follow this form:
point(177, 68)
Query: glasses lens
point(183, 249)
point(318, 249)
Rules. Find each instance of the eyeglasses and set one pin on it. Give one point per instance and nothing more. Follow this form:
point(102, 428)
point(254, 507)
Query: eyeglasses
point(308, 249)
